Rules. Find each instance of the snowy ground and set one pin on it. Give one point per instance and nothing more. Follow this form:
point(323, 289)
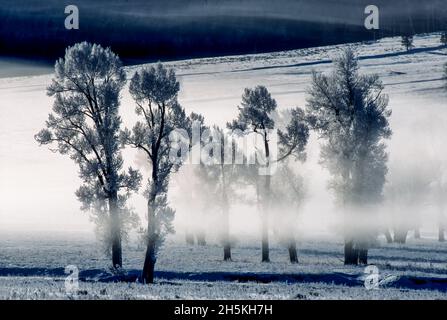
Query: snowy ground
point(32, 267)
point(37, 190)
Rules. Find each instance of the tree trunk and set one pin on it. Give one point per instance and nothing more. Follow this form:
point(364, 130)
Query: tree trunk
point(266, 206)
point(189, 238)
point(292, 251)
point(149, 261)
point(441, 233)
point(226, 227)
point(264, 229)
point(441, 224)
point(201, 238)
point(400, 236)
point(117, 255)
point(351, 254)
point(152, 237)
point(363, 255)
point(265, 240)
point(117, 258)
point(227, 252)
point(417, 233)
point(389, 238)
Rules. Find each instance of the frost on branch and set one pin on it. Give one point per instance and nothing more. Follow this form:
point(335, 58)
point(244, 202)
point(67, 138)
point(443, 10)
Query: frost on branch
point(350, 113)
point(85, 124)
point(154, 91)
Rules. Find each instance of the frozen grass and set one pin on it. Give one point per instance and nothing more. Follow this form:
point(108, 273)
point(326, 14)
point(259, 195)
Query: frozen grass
point(32, 267)
point(40, 288)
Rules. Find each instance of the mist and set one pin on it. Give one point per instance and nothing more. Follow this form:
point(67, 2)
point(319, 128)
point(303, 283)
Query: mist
point(38, 186)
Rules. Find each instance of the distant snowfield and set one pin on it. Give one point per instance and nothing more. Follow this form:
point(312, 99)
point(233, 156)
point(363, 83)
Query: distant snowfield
point(37, 186)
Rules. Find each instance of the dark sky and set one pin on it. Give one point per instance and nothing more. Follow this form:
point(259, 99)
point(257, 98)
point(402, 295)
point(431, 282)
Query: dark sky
point(168, 29)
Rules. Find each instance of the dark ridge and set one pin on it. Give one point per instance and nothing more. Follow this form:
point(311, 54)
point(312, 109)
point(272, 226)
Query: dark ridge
point(145, 31)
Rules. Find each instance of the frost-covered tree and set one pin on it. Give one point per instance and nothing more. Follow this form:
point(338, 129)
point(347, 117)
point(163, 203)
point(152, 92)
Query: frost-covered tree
point(438, 192)
point(445, 75)
point(193, 190)
point(349, 111)
point(257, 114)
point(293, 134)
point(442, 185)
point(193, 198)
point(288, 193)
point(85, 126)
point(228, 175)
point(211, 186)
point(443, 39)
point(154, 91)
point(224, 176)
point(407, 189)
point(288, 189)
point(436, 172)
point(407, 42)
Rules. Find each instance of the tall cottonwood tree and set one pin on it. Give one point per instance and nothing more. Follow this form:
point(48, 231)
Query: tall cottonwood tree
point(257, 114)
point(288, 193)
point(443, 39)
point(407, 42)
point(407, 191)
point(289, 186)
point(349, 111)
point(438, 192)
point(154, 91)
point(85, 125)
point(221, 176)
point(445, 75)
point(192, 183)
point(443, 184)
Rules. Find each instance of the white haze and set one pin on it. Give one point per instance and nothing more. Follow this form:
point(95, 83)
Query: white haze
point(37, 186)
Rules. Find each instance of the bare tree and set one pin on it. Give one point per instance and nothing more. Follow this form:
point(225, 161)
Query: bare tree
point(85, 126)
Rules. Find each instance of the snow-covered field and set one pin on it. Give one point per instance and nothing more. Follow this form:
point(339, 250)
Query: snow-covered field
point(32, 267)
point(37, 190)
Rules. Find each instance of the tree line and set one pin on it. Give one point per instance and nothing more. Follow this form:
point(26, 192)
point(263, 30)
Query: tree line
point(347, 110)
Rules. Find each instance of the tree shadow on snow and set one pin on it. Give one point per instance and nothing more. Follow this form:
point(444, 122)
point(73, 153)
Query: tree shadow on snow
point(334, 278)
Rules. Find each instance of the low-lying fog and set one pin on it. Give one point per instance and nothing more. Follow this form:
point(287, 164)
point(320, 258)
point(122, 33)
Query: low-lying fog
point(37, 187)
